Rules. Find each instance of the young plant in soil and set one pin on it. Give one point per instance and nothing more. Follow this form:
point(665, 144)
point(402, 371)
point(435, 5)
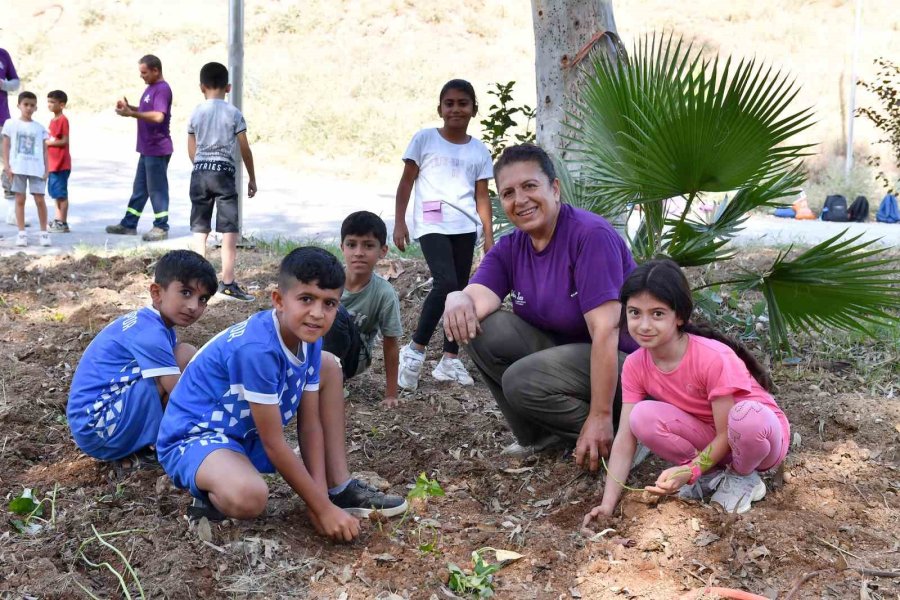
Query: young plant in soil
point(423, 489)
point(25, 504)
point(480, 582)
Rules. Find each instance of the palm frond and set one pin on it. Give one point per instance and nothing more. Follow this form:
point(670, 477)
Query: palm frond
point(668, 123)
point(842, 283)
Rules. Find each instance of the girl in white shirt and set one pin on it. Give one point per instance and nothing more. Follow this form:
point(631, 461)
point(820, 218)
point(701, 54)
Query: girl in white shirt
point(450, 171)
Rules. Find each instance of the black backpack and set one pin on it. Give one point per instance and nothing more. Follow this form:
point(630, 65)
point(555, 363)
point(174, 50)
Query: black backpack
point(859, 210)
point(344, 341)
point(835, 209)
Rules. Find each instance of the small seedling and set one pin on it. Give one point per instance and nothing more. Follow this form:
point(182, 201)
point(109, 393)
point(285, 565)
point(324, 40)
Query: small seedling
point(480, 582)
point(425, 488)
point(26, 504)
point(422, 489)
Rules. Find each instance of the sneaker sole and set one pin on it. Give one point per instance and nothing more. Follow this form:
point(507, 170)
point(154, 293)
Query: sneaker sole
point(236, 299)
point(385, 512)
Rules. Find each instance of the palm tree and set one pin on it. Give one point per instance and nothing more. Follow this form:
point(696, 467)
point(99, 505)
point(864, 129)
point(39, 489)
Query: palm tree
point(670, 123)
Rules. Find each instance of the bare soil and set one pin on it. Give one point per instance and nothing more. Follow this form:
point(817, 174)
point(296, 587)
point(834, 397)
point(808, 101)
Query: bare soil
point(830, 514)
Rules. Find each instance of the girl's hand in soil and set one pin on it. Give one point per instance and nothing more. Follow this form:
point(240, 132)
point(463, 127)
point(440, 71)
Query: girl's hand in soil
point(670, 481)
point(390, 402)
point(601, 514)
point(335, 524)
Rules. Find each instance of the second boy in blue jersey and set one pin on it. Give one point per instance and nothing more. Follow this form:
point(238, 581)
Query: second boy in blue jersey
point(224, 424)
point(124, 378)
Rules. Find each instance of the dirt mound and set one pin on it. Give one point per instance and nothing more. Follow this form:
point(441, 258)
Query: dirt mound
point(831, 511)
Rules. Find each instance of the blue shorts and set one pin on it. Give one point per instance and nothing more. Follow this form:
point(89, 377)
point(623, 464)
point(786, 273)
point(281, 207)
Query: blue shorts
point(134, 422)
point(182, 461)
point(58, 185)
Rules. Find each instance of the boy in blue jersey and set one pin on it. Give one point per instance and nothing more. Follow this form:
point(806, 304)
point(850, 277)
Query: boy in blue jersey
point(224, 424)
point(124, 378)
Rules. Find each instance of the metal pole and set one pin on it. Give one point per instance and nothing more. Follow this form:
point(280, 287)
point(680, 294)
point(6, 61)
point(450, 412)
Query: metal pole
point(852, 96)
point(236, 72)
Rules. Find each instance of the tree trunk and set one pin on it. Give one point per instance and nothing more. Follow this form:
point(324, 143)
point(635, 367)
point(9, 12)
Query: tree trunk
point(562, 28)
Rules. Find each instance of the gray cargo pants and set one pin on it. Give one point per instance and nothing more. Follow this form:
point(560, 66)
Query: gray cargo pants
point(541, 386)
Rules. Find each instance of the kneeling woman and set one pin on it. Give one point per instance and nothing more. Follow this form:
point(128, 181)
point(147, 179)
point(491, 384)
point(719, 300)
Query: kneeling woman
point(711, 413)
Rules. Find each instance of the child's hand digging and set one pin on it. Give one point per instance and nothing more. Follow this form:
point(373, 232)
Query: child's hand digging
point(390, 402)
point(336, 524)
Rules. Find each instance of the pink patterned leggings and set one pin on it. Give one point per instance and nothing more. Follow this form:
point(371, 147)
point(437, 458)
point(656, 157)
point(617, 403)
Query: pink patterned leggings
point(759, 438)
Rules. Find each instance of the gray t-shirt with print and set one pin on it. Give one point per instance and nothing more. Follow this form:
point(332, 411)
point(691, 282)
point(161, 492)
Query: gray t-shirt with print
point(215, 125)
point(375, 309)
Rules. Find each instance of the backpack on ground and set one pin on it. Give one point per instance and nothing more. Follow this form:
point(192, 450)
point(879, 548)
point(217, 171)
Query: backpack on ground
point(835, 209)
point(859, 210)
point(887, 210)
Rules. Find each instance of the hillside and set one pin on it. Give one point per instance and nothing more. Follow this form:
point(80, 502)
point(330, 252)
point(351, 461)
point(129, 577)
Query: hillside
point(343, 85)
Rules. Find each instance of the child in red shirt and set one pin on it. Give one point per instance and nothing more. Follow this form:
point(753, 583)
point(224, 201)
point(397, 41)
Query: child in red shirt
point(59, 160)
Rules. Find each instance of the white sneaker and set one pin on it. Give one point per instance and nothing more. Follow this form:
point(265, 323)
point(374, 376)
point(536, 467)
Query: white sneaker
point(703, 487)
point(410, 367)
point(21, 239)
point(45, 239)
point(517, 450)
point(452, 369)
point(736, 492)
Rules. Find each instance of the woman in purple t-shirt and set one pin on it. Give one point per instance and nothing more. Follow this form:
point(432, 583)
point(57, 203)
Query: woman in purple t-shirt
point(551, 363)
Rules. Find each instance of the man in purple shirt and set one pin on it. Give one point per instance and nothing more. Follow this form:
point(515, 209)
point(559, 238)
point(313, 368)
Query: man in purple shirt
point(552, 363)
point(9, 82)
point(154, 144)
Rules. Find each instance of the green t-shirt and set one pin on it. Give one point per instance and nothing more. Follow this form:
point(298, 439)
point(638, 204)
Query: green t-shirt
point(375, 308)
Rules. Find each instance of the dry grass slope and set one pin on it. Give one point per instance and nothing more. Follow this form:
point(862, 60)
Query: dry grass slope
point(349, 82)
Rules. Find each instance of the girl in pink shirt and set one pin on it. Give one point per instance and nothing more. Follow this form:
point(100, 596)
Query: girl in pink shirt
point(694, 398)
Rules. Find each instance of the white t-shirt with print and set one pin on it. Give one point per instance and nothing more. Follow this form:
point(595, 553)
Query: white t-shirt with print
point(447, 174)
point(26, 146)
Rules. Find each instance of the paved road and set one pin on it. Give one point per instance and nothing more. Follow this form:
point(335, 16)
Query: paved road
point(288, 205)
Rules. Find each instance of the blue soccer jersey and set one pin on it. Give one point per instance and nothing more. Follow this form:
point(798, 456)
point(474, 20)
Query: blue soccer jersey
point(113, 402)
point(210, 407)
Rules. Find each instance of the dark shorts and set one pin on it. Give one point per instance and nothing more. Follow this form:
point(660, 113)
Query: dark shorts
point(58, 185)
point(209, 189)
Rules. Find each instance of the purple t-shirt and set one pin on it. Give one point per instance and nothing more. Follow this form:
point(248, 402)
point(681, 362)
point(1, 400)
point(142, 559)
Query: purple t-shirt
point(153, 139)
point(584, 266)
point(7, 71)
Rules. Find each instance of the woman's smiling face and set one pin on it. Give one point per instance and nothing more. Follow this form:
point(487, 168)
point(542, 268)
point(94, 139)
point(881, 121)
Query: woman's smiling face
point(529, 198)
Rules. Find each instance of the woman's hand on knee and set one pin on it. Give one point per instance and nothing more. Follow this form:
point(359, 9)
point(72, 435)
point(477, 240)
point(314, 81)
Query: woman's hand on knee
point(460, 321)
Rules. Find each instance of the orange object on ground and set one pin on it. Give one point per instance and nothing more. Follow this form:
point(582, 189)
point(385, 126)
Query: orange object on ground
point(801, 207)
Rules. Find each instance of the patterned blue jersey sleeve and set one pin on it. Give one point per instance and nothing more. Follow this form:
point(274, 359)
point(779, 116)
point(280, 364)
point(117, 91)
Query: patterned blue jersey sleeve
point(314, 362)
point(152, 346)
point(256, 374)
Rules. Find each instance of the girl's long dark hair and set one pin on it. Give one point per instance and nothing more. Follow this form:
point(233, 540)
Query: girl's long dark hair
point(663, 279)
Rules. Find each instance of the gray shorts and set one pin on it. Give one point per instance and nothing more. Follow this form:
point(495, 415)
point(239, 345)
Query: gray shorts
point(35, 184)
point(214, 189)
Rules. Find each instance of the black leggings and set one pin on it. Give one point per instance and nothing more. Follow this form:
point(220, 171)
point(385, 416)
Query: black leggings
point(449, 258)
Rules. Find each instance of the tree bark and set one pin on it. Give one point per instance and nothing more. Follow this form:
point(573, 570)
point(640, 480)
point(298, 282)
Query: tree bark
point(562, 28)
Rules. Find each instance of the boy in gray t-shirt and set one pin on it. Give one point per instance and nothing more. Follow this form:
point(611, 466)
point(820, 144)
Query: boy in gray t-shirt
point(214, 128)
point(369, 304)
